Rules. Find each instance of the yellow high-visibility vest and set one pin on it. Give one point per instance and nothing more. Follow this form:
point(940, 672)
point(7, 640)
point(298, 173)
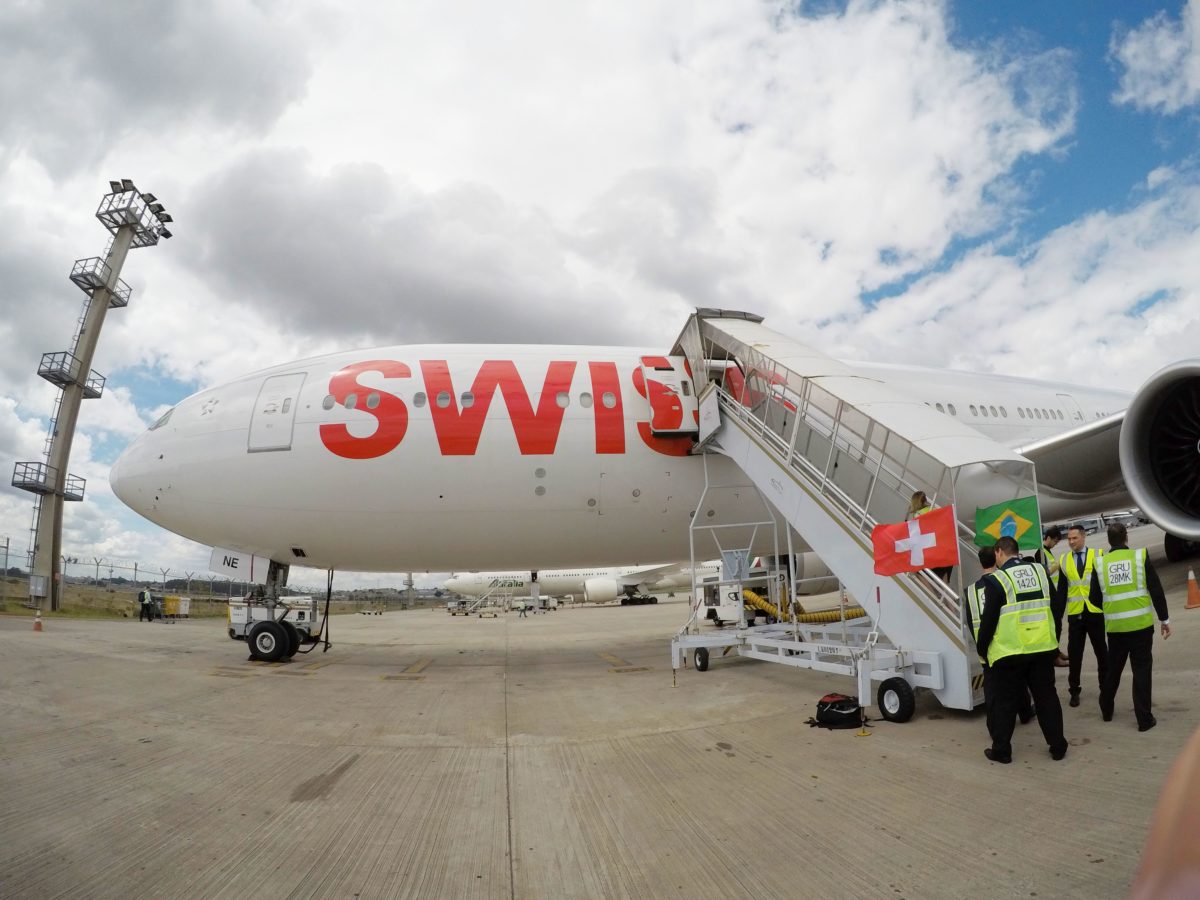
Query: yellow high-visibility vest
point(1127, 603)
point(1079, 584)
point(975, 604)
point(1025, 626)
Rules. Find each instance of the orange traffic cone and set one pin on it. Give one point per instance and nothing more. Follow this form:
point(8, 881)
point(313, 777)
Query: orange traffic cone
point(1193, 600)
point(37, 621)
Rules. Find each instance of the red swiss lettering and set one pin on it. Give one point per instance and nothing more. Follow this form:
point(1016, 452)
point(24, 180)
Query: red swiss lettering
point(610, 419)
point(458, 431)
point(391, 415)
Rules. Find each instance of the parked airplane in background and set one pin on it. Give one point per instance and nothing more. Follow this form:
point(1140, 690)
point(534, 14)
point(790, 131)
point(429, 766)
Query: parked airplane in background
point(444, 457)
point(591, 585)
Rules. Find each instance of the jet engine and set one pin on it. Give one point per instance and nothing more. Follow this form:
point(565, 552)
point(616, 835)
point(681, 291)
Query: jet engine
point(599, 590)
point(813, 576)
point(1160, 454)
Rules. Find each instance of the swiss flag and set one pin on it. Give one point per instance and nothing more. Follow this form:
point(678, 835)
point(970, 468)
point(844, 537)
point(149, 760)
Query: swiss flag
point(926, 542)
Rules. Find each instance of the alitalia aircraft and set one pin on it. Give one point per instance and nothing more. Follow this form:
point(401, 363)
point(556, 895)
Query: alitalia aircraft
point(590, 584)
point(450, 457)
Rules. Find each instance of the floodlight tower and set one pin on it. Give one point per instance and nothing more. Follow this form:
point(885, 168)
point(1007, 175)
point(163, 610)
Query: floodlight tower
point(135, 220)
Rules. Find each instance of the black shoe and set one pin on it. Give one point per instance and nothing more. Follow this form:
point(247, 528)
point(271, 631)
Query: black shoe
point(1058, 754)
point(1074, 700)
point(1153, 721)
point(994, 757)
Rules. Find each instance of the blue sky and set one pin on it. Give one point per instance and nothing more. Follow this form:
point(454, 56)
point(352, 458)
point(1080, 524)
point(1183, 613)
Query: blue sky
point(874, 173)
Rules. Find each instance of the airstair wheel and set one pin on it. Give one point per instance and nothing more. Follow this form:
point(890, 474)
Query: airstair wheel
point(896, 699)
point(700, 658)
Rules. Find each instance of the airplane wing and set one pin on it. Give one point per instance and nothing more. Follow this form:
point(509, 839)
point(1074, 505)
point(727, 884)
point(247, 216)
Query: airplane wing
point(648, 575)
point(1079, 463)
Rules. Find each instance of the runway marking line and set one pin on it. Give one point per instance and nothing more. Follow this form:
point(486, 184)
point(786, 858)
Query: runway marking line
point(613, 660)
point(621, 670)
point(227, 672)
point(317, 664)
point(412, 673)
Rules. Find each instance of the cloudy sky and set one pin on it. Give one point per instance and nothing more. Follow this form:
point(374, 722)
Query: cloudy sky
point(883, 174)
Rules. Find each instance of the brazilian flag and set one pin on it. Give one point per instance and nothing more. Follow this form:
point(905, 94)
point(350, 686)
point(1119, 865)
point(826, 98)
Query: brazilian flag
point(1017, 519)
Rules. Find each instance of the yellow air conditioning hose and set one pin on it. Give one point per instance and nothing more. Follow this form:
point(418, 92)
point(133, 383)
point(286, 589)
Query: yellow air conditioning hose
point(814, 618)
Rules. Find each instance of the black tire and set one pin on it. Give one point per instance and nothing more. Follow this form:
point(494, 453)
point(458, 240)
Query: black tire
point(700, 658)
point(1178, 549)
point(654, 600)
point(897, 702)
point(233, 635)
point(293, 637)
point(268, 641)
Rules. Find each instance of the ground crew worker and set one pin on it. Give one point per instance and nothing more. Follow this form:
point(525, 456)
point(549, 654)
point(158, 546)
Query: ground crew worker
point(1081, 595)
point(987, 559)
point(1017, 637)
point(1132, 595)
point(1045, 556)
point(145, 607)
point(1050, 538)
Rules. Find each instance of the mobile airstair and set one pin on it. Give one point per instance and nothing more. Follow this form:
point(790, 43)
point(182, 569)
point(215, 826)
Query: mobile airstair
point(832, 453)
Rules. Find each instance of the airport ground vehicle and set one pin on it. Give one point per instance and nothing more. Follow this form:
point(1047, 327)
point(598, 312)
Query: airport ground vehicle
point(458, 607)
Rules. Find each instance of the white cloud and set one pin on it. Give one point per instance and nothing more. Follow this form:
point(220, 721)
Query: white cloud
point(1161, 61)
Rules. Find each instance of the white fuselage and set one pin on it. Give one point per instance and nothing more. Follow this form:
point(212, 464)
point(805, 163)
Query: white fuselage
point(439, 458)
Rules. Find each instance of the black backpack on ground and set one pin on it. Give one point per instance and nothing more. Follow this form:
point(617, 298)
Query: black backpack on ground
point(837, 711)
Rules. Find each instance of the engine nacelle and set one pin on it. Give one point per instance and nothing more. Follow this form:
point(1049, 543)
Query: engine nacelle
point(599, 590)
point(1160, 449)
point(813, 576)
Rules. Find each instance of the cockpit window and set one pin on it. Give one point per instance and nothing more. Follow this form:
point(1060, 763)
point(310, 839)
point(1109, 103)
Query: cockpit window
point(163, 419)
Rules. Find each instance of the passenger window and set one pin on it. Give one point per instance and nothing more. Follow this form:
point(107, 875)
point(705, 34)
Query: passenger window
point(1037, 412)
point(993, 409)
point(467, 400)
point(372, 400)
point(974, 411)
point(1003, 413)
point(940, 408)
point(443, 399)
point(563, 399)
point(585, 400)
point(686, 387)
point(1020, 412)
point(983, 411)
point(609, 399)
point(328, 402)
point(419, 399)
point(351, 401)
point(953, 411)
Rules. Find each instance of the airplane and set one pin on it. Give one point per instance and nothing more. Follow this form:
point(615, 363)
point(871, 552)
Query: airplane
point(442, 457)
point(591, 584)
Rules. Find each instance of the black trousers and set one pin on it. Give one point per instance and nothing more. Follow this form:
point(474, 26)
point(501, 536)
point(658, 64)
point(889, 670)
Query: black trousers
point(1011, 677)
point(1089, 625)
point(145, 612)
point(1137, 647)
point(1024, 704)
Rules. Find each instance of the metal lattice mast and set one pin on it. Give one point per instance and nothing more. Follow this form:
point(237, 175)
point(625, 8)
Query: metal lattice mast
point(135, 220)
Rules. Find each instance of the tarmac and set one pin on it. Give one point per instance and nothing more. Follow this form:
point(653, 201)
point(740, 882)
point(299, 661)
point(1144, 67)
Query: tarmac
point(428, 755)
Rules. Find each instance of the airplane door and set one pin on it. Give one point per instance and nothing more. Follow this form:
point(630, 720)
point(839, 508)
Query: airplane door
point(672, 398)
point(1073, 411)
point(274, 413)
